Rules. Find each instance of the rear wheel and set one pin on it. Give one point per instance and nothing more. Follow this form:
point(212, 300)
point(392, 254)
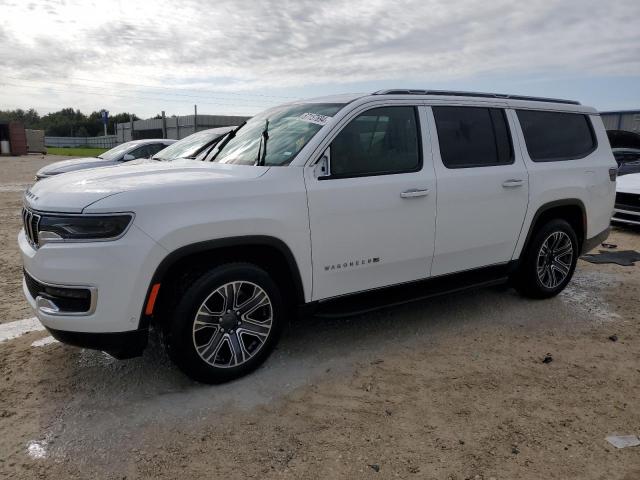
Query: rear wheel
point(226, 323)
point(549, 261)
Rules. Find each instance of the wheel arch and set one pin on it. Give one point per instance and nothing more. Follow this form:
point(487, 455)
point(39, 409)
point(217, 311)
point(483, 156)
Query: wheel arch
point(572, 210)
point(267, 252)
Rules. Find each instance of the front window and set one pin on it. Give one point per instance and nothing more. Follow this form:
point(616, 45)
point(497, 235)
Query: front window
point(116, 153)
point(378, 141)
point(288, 129)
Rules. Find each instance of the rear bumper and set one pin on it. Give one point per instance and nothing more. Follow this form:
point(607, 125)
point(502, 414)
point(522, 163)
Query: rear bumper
point(120, 345)
point(591, 243)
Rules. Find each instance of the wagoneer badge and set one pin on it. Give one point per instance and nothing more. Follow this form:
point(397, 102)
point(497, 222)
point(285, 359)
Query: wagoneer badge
point(351, 263)
point(30, 195)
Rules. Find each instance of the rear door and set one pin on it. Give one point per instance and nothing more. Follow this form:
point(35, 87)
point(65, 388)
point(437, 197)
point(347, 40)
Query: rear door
point(482, 187)
point(372, 218)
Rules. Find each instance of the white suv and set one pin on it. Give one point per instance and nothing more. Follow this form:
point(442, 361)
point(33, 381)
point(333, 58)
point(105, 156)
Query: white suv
point(334, 206)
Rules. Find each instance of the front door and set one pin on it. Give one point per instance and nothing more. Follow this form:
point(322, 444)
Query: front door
point(372, 217)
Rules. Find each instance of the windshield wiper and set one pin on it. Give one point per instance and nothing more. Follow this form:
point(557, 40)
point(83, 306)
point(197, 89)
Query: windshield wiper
point(230, 135)
point(262, 149)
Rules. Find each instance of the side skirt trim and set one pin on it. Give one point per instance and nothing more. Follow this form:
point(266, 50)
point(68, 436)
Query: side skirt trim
point(370, 300)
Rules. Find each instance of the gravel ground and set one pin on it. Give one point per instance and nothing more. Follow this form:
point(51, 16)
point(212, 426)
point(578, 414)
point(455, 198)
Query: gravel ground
point(451, 388)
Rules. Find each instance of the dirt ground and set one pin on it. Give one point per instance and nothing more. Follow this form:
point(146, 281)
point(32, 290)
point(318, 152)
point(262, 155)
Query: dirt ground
point(450, 388)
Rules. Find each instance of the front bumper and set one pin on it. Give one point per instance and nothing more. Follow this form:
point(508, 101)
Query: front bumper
point(627, 208)
point(120, 345)
point(116, 273)
point(623, 215)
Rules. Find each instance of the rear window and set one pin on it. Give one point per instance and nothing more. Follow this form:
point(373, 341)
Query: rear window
point(554, 136)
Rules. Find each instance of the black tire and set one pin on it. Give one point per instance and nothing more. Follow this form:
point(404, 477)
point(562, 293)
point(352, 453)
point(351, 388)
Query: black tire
point(527, 279)
point(205, 294)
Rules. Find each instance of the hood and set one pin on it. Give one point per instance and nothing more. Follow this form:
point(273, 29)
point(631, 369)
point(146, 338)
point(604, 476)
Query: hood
point(74, 191)
point(71, 165)
point(628, 183)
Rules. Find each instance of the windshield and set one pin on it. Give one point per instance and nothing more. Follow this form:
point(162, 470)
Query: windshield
point(188, 147)
point(116, 153)
point(290, 127)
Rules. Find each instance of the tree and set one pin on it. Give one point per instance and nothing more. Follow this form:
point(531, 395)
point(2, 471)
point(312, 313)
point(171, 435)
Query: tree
point(66, 122)
point(30, 118)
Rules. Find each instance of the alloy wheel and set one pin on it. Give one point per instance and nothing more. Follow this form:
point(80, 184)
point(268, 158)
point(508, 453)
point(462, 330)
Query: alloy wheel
point(554, 259)
point(232, 324)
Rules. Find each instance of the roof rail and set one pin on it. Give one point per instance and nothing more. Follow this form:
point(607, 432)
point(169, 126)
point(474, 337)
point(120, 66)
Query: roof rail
point(452, 93)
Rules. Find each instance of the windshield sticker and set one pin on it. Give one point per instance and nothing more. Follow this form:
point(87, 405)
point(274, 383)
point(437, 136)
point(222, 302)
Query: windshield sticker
point(314, 118)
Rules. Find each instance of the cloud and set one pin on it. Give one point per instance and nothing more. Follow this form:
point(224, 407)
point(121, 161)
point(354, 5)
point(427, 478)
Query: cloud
point(253, 46)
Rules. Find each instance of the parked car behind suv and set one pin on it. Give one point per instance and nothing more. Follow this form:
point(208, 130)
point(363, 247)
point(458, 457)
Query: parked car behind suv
point(330, 206)
point(193, 145)
point(627, 206)
point(125, 152)
point(626, 150)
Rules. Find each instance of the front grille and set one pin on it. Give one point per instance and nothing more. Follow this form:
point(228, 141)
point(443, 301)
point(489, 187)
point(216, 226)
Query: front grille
point(72, 300)
point(626, 217)
point(628, 201)
point(30, 222)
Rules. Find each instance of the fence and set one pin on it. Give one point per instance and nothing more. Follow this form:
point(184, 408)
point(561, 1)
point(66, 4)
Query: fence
point(108, 141)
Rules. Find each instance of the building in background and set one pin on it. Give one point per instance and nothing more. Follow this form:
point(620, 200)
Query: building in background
point(13, 139)
point(628, 120)
point(35, 141)
point(173, 127)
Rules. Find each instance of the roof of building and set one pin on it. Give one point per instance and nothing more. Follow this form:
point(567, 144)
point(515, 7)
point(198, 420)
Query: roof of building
point(620, 112)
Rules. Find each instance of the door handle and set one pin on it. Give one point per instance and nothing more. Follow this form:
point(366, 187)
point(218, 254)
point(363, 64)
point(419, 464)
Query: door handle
point(512, 182)
point(415, 192)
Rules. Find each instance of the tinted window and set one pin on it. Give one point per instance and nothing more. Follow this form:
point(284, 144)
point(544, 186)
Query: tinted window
point(473, 136)
point(156, 147)
point(140, 152)
point(555, 135)
point(381, 140)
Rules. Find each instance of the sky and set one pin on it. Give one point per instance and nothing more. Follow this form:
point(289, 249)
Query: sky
point(241, 57)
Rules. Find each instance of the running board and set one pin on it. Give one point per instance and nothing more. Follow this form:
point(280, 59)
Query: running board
point(370, 300)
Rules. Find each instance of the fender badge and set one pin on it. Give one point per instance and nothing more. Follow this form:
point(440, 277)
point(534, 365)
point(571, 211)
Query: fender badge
point(30, 195)
point(352, 264)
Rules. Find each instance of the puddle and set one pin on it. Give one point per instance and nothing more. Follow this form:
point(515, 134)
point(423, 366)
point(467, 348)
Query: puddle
point(44, 342)
point(37, 449)
point(16, 329)
point(585, 292)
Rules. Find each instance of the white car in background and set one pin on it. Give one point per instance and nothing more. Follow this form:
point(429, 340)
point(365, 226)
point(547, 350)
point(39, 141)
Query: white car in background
point(194, 146)
point(124, 152)
point(627, 207)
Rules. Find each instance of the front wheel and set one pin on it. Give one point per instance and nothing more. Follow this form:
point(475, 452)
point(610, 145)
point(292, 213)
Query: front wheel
point(549, 261)
point(226, 323)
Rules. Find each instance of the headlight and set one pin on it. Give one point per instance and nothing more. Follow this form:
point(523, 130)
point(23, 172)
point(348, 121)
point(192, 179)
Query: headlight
point(68, 228)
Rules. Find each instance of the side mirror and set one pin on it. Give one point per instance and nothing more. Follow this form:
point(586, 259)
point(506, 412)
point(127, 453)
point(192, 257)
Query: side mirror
point(128, 157)
point(322, 169)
